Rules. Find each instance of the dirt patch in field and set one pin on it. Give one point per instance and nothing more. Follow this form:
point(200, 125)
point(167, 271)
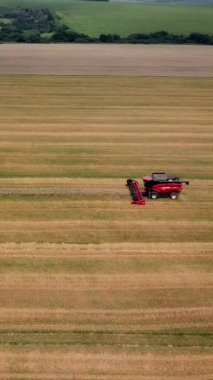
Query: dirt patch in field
point(74, 59)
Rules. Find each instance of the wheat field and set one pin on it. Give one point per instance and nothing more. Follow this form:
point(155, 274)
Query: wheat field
point(92, 287)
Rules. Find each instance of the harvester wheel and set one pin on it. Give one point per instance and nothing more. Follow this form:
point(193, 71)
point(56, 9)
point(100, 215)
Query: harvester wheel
point(173, 195)
point(154, 195)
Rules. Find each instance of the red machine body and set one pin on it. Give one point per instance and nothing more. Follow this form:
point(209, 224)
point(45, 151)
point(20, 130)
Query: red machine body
point(167, 188)
point(155, 186)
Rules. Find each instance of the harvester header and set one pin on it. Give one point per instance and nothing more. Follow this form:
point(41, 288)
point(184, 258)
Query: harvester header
point(137, 197)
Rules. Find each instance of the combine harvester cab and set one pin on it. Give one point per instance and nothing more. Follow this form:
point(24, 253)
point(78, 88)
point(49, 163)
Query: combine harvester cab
point(135, 192)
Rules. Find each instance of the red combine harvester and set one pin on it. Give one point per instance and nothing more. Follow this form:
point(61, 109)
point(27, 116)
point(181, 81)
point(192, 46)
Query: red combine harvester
point(155, 186)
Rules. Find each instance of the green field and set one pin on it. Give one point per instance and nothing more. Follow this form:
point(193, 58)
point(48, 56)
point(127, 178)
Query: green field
point(94, 18)
point(92, 287)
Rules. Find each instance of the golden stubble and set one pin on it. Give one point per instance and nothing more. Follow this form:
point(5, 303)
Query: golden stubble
point(92, 287)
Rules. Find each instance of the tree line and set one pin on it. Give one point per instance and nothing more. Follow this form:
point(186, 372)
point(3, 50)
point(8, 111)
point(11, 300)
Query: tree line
point(42, 26)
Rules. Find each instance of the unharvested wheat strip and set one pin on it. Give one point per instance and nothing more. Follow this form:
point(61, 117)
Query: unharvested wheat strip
point(34, 251)
point(108, 230)
point(119, 144)
point(152, 250)
point(193, 195)
point(17, 225)
point(107, 328)
point(78, 183)
point(103, 297)
point(182, 120)
point(106, 155)
point(106, 204)
point(143, 134)
point(107, 282)
point(105, 364)
point(110, 132)
point(112, 128)
point(118, 205)
point(170, 257)
point(112, 122)
point(111, 171)
point(119, 137)
point(140, 319)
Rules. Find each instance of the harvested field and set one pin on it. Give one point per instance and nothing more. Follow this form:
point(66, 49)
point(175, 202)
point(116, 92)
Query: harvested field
point(92, 287)
point(106, 59)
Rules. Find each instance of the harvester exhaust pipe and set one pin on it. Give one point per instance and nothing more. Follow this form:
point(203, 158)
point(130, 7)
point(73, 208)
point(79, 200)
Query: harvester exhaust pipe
point(185, 181)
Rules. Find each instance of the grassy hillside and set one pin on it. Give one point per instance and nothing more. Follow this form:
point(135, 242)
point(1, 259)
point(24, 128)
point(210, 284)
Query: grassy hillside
point(124, 19)
point(94, 18)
